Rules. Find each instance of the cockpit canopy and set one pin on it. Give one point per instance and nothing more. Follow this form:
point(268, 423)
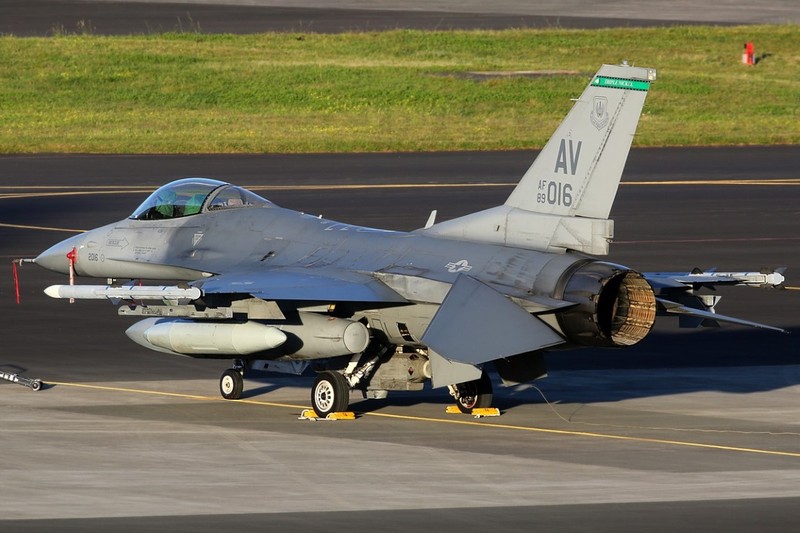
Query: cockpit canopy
point(191, 196)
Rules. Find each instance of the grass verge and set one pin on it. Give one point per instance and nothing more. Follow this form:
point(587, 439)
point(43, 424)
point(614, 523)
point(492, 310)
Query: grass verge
point(398, 90)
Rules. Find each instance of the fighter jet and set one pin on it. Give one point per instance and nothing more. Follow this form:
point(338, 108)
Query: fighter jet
point(375, 310)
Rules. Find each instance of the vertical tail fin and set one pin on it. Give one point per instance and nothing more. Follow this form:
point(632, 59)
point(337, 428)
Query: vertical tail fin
point(578, 171)
point(564, 199)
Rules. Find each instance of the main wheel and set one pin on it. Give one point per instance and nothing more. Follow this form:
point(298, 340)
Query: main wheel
point(331, 393)
point(231, 384)
point(474, 394)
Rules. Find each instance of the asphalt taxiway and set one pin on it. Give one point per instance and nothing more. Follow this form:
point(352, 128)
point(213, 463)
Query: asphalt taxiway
point(690, 428)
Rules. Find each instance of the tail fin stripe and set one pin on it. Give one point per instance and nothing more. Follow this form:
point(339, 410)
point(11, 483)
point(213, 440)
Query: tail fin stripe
point(620, 83)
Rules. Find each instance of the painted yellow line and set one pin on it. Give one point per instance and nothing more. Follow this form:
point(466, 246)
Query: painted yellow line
point(44, 228)
point(374, 186)
point(792, 288)
point(716, 239)
point(77, 187)
point(125, 188)
point(139, 190)
point(172, 394)
point(87, 190)
point(776, 181)
point(485, 424)
point(743, 181)
point(594, 435)
point(7, 196)
point(110, 189)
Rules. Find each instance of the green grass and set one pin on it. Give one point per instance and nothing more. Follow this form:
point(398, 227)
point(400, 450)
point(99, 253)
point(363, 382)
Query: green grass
point(290, 92)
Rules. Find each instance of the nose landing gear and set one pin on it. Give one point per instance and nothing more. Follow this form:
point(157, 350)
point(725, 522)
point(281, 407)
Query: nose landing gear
point(231, 384)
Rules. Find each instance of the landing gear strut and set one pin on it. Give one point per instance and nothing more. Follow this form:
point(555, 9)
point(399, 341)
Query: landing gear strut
point(231, 383)
point(473, 394)
point(330, 394)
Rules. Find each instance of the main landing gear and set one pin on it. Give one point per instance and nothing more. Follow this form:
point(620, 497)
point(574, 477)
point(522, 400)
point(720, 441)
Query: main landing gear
point(231, 384)
point(473, 394)
point(331, 390)
point(330, 394)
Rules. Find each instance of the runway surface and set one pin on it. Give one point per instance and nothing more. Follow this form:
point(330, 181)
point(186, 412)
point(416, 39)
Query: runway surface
point(104, 17)
point(690, 428)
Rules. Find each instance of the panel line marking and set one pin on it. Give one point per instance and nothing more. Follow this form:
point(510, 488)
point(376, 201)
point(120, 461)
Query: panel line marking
point(448, 421)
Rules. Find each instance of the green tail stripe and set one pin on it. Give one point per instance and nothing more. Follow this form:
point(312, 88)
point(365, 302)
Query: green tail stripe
point(620, 83)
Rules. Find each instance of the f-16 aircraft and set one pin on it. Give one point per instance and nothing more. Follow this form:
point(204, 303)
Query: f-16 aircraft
point(375, 310)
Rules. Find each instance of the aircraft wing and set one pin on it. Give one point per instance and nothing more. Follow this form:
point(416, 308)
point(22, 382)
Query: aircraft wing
point(309, 285)
point(476, 324)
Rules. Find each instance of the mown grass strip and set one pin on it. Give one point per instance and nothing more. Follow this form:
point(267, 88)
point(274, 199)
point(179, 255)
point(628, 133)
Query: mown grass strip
point(398, 90)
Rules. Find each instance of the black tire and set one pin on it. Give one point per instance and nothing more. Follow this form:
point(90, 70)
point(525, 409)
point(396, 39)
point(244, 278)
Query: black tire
point(330, 394)
point(474, 394)
point(36, 385)
point(231, 384)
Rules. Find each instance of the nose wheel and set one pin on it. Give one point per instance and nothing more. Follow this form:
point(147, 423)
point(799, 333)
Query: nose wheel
point(231, 384)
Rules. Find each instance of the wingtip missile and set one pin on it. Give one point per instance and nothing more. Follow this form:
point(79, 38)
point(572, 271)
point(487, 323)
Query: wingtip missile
point(765, 278)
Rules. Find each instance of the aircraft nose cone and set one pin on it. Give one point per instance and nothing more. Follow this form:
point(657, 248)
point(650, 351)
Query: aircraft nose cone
point(55, 257)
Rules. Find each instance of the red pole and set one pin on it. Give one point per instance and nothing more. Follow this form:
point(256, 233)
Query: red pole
point(72, 256)
point(16, 279)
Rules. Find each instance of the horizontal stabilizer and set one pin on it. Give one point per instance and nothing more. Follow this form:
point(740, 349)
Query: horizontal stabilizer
point(683, 310)
point(476, 324)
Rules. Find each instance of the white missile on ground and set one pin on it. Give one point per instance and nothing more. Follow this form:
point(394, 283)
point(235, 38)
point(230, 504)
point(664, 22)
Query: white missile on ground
point(188, 337)
point(144, 292)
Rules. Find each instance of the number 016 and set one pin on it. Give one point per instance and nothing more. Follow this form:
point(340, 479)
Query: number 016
point(557, 193)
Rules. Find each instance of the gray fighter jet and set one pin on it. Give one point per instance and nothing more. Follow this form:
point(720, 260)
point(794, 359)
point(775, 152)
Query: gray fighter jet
point(374, 310)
